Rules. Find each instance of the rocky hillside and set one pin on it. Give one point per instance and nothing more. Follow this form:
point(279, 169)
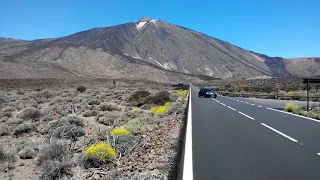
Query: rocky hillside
point(148, 50)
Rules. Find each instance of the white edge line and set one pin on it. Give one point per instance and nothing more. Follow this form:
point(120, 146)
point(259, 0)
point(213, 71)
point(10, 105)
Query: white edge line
point(223, 104)
point(279, 132)
point(231, 108)
point(246, 115)
point(318, 154)
point(294, 114)
point(188, 163)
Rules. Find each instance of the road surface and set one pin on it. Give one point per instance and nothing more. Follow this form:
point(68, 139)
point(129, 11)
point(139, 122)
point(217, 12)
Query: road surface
point(277, 104)
point(234, 139)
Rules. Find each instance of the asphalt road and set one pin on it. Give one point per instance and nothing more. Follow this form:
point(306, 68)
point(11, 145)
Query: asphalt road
point(234, 140)
point(278, 104)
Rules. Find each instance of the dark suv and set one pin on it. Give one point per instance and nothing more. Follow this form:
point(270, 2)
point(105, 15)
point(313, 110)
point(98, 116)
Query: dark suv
point(207, 93)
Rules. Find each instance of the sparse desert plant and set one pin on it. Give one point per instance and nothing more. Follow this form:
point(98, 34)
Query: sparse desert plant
point(81, 89)
point(108, 118)
point(137, 125)
point(74, 120)
point(54, 159)
point(68, 132)
point(138, 96)
point(19, 92)
point(27, 153)
point(54, 169)
point(159, 98)
point(29, 113)
point(5, 114)
point(146, 107)
point(125, 144)
point(94, 102)
point(101, 152)
point(7, 158)
point(314, 113)
point(55, 150)
point(109, 107)
point(5, 130)
point(294, 108)
point(120, 131)
point(24, 128)
point(14, 121)
point(3, 99)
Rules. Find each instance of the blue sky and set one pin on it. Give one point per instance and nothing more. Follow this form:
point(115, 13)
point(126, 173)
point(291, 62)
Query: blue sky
point(286, 28)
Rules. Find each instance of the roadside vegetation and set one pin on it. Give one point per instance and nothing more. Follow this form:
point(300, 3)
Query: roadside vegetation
point(90, 133)
point(314, 111)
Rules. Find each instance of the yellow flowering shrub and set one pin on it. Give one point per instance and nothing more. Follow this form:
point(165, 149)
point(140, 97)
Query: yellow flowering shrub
point(120, 131)
point(102, 152)
point(290, 107)
point(161, 109)
point(136, 110)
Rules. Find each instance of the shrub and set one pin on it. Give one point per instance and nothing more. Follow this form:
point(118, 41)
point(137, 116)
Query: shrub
point(20, 92)
point(136, 110)
point(5, 130)
point(108, 118)
point(314, 113)
point(24, 128)
point(81, 89)
point(6, 158)
point(109, 107)
point(243, 86)
point(54, 159)
point(14, 121)
point(87, 114)
point(183, 93)
point(29, 113)
point(137, 125)
point(56, 169)
point(94, 102)
point(146, 106)
point(74, 120)
point(120, 131)
point(159, 98)
point(138, 96)
point(68, 132)
point(101, 152)
point(124, 143)
point(161, 109)
point(27, 153)
point(290, 107)
point(5, 114)
point(56, 150)
point(3, 99)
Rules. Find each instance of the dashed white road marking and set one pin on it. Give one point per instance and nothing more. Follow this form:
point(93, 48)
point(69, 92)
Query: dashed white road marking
point(246, 115)
point(242, 101)
point(253, 104)
point(231, 108)
point(238, 100)
point(247, 103)
point(284, 135)
point(259, 106)
point(318, 154)
point(223, 104)
point(294, 114)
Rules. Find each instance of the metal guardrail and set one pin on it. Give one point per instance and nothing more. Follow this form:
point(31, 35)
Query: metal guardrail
point(270, 96)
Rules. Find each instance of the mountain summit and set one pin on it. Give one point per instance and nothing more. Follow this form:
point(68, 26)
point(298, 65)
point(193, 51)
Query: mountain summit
point(148, 49)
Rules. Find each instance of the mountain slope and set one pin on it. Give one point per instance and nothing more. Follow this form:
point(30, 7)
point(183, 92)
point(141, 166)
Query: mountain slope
point(148, 49)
